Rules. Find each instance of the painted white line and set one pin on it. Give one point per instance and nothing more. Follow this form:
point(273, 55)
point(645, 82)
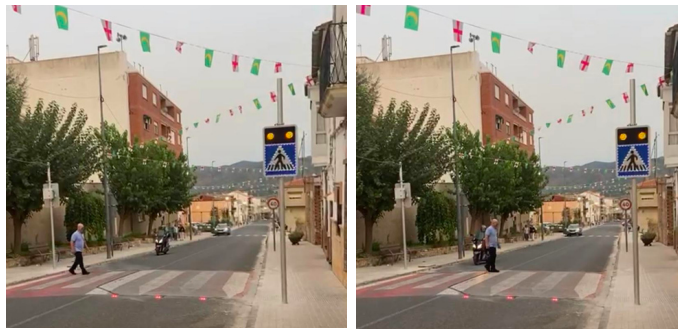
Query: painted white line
point(406, 282)
point(197, 281)
point(587, 285)
point(124, 280)
point(54, 282)
point(472, 282)
point(93, 280)
point(158, 282)
point(549, 282)
point(444, 280)
point(235, 284)
point(510, 282)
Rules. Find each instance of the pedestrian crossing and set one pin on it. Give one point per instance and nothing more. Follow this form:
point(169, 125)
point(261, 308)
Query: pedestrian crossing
point(236, 235)
point(569, 285)
point(164, 283)
point(596, 236)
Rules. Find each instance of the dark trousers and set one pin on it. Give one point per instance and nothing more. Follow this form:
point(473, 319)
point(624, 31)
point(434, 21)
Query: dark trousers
point(78, 261)
point(490, 263)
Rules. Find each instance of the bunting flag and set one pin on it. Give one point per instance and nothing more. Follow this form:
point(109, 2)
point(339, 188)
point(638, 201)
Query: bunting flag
point(548, 124)
point(662, 80)
point(277, 68)
point(240, 108)
point(234, 63)
point(62, 17)
point(292, 89)
point(257, 104)
point(629, 67)
point(644, 89)
point(255, 66)
point(107, 26)
point(559, 121)
point(625, 97)
point(145, 41)
point(496, 39)
point(583, 112)
point(179, 47)
point(561, 58)
point(585, 63)
point(531, 45)
point(207, 121)
point(217, 117)
point(364, 10)
point(592, 108)
point(195, 124)
point(231, 112)
point(180, 132)
point(273, 96)
point(570, 118)
point(607, 67)
point(16, 8)
point(310, 81)
point(458, 30)
point(209, 55)
point(411, 18)
point(611, 104)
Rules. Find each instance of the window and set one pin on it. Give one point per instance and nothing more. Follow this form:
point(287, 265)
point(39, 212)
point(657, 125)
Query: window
point(506, 99)
point(178, 117)
point(508, 128)
point(497, 91)
point(156, 128)
point(320, 123)
point(146, 122)
point(321, 139)
point(154, 99)
point(498, 122)
point(145, 91)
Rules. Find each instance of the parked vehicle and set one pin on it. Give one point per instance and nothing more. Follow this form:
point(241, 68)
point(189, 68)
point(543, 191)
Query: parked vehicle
point(574, 229)
point(222, 229)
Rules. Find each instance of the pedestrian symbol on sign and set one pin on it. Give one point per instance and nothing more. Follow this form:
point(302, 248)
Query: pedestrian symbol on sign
point(280, 161)
point(632, 162)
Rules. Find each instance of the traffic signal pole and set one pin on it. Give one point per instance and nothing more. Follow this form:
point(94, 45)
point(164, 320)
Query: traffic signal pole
point(633, 210)
point(281, 198)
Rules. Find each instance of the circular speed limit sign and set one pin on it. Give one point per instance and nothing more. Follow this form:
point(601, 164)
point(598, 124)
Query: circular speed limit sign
point(625, 204)
point(272, 203)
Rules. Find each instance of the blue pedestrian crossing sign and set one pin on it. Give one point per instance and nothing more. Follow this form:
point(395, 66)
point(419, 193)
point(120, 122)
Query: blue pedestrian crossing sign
point(632, 152)
point(280, 151)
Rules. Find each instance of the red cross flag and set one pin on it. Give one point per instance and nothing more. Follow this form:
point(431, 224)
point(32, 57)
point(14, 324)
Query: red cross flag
point(107, 26)
point(235, 63)
point(531, 45)
point(629, 68)
point(179, 47)
point(310, 81)
point(364, 10)
point(273, 96)
point(278, 67)
point(661, 80)
point(16, 8)
point(207, 120)
point(585, 63)
point(625, 97)
point(458, 29)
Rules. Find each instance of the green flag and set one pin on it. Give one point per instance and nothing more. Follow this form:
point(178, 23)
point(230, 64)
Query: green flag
point(644, 89)
point(496, 38)
point(145, 41)
point(570, 118)
point(607, 67)
point(292, 89)
point(180, 132)
point(532, 132)
point(611, 104)
point(209, 55)
point(548, 124)
point(217, 117)
point(62, 16)
point(561, 58)
point(257, 104)
point(411, 18)
point(195, 124)
point(255, 66)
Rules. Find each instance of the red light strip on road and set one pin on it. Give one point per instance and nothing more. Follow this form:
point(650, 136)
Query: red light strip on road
point(466, 296)
point(554, 299)
point(509, 297)
point(115, 296)
point(202, 298)
point(158, 296)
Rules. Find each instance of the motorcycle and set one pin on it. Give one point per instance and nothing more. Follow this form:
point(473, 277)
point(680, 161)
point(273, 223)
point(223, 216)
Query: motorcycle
point(162, 243)
point(480, 256)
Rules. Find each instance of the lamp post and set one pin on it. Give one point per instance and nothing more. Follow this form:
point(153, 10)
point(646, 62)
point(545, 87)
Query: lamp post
point(212, 213)
point(190, 207)
point(105, 185)
point(563, 173)
point(542, 223)
point(473, 39)
point(121, 38)
point(460, 221)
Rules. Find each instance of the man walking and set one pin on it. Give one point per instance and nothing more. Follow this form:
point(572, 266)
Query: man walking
point(491, 245)
point(77, 245)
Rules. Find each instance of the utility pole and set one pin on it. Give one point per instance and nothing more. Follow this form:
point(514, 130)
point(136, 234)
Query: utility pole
point(281, 197)
point(633, 210)
point(460, 224)
point(105, 183)
point(52, 221)
point(542, 225)
point(190, 207)
point(212, 213)
point(404, 228)
point(563, 214)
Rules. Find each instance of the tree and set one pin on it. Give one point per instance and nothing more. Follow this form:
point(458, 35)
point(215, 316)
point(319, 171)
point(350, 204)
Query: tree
point(436, 217)
point(85, 207)
point(384, 139)
point(34, 138)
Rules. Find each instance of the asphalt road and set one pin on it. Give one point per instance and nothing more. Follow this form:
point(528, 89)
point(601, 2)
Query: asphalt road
point(559, 284)
point(208, 283)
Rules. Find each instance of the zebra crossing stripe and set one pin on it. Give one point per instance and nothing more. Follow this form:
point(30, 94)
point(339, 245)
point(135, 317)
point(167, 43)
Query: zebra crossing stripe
point(54, 282)
point(197, 281)
point(549, 282)
point(510, 282)
point(472, 282)
point(93, 280)
point(407, 282)
point(111, 286)
point(444, 280)
point(587, 285)
point(158, 282)
point(235, 284)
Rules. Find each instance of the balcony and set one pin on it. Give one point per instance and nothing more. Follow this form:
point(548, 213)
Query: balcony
point(333, 71)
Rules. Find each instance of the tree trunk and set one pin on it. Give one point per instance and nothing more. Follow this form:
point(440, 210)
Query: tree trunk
point(149, 225)
point(503, 219)
point(131, 222)
point(122, 219)
point(368, 234)
point(18, 223)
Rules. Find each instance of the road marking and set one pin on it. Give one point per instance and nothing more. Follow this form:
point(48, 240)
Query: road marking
point(158, 282)
point(49, 311)
point(111, 286)
point(54, 282)
point(444, 280)
point(399, 312)
point(472, 282)
point(197, 281)
point(587, 285)
point(235, 284)
point(406, 282)
point(549, 282)
point(509, 282)
point(93, 280)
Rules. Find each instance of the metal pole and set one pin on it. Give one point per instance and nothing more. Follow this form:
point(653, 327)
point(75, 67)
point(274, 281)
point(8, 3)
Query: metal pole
point(190, 207)
point(633, 211)
point(404, 232)
point(211, 216)
point(459, 224)
point(625, 227)
point(542, 223)
point(563, 214)
point(281, 197)
point(52, 221)
point(105, 184)
point(273, 226)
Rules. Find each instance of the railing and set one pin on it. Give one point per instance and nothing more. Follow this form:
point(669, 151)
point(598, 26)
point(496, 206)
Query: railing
point(333, 57)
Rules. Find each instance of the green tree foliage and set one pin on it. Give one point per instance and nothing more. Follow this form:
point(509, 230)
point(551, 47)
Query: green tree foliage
point(87, 208)
point(386, 137)
point(35, 137)
point(436, 217)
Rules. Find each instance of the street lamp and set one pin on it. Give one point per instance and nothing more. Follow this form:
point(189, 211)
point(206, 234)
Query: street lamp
point(542, 223)
point(190, 207)
point(563, 173)
point(473, 39)
point(105, 185)
point(460, 222)
point(121, 38)
point(212, 214)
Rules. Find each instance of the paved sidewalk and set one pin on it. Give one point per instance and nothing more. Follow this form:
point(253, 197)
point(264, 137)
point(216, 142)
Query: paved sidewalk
point(316, 298)
point(658, 307)
point(27, 273)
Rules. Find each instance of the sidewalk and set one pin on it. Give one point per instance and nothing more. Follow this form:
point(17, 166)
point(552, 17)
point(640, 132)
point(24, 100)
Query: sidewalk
point(368, 275)
point(658, 288)
point(27, 273)
point(316, 298)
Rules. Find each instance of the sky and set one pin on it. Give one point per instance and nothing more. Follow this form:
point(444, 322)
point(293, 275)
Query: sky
point(628, 33)
point(278, 33)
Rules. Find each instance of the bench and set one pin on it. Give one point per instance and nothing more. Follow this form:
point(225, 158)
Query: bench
point(395, 254)
point(42, 251)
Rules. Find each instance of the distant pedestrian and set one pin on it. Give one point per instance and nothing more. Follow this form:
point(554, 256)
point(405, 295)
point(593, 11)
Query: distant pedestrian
point(533, 231)
point(78, 243)
point(182, 232)
point(526, 230)
point(175, 230)
point(491, 244)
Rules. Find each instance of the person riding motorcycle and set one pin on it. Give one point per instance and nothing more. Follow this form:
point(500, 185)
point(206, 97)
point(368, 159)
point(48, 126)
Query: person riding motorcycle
point(165, 235)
